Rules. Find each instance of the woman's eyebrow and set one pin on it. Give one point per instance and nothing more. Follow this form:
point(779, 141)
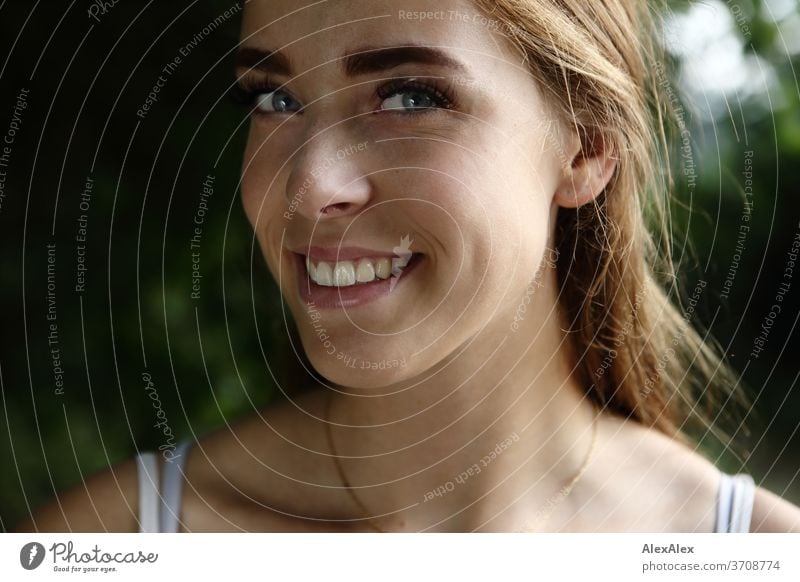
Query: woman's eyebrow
point(355, 63)
point(376, 59)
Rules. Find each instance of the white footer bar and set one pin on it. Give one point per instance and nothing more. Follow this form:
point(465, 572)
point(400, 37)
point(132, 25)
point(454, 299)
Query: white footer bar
point(400, 557)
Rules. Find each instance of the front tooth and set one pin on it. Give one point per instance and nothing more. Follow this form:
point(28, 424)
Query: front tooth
point(365, 272)
point(312, 271)
point(383, 268)
point(344, 274)
point(324, 275)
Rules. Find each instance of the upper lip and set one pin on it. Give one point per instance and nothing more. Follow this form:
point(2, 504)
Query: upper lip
point(333, 254)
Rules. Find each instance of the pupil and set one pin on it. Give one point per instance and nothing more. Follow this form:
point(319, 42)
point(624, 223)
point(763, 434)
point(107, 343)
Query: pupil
point(416, 101)
point(280, 104)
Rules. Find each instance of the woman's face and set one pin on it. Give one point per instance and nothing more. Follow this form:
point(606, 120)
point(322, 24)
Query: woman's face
point(421, 177)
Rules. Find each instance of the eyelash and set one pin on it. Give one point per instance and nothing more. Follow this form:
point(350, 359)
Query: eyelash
point(247, 89)
point(443, 97)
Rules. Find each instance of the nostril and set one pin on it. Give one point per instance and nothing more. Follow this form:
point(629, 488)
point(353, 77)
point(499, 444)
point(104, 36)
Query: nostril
point(333, 208)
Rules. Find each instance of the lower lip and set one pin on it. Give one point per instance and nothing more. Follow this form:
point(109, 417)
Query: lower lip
point(352, 295)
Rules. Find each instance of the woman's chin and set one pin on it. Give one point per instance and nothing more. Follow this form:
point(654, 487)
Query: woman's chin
point(357, 372)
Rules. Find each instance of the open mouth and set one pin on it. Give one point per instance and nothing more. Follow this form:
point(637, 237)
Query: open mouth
point(351, 283)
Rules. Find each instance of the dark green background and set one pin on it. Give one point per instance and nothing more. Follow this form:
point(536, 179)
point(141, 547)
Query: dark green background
point(214, 359)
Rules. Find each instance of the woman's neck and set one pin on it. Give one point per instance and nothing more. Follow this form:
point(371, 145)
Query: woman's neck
point(480, 442)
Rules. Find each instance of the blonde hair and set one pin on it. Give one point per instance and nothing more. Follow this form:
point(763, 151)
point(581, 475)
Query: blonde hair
point(601, 65)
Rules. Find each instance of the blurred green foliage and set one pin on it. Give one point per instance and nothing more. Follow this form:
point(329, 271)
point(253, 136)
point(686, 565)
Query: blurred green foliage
point(213, 359)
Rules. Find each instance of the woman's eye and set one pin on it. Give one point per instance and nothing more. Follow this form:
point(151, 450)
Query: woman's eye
point(409, 100)
point(277, 101)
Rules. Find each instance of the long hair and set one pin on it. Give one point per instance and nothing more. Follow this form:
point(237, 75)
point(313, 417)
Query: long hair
point(637, 353)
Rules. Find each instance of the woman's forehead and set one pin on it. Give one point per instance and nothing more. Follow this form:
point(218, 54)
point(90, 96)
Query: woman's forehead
point(328, 29)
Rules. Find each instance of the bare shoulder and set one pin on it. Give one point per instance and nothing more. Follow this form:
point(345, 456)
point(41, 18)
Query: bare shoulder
point(227, 473)
point(261, 473)
point(653, 482)
point(105, 501)
point(670, 486)
point(773, 514)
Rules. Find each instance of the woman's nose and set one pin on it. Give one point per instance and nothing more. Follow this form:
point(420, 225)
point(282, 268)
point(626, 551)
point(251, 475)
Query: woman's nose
point(327, 180)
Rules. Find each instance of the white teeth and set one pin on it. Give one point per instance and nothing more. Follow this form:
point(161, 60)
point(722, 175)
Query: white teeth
point(323, 275)
point(365, 272)
point(383, 268)
point(344, 274)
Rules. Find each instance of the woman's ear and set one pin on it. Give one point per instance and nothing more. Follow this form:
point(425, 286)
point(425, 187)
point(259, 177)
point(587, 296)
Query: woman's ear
point(590, 169)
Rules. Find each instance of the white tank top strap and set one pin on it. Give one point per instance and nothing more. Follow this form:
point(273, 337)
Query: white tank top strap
point(735, 503)
point(149, 502)
point(172, 487)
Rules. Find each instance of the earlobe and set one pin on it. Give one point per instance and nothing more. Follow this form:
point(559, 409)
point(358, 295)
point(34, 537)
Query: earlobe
point(588, 175)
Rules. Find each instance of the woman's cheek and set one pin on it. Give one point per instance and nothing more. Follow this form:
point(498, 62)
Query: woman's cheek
point(262, 198)
point(253, 184)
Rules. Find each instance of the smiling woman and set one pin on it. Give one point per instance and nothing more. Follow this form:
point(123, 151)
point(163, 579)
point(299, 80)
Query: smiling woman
point(455, 206)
